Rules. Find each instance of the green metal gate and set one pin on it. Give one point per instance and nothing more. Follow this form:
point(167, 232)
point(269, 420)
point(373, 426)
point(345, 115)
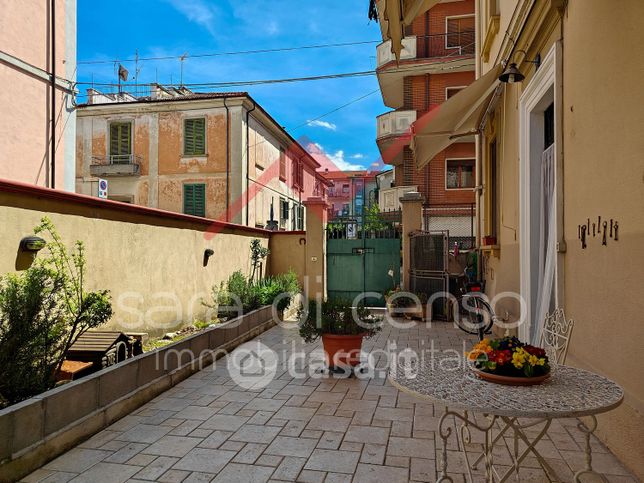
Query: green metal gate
point(362, 260)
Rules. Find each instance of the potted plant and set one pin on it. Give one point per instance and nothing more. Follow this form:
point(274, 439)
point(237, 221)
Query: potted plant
point(341, 327)
point(509, 361)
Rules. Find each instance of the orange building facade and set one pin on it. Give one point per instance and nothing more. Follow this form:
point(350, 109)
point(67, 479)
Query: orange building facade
point(216, 155)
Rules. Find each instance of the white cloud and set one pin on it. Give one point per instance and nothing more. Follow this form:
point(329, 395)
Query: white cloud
point(331, 161)
point(326, 125)
point(197, 11)
point(357, 156)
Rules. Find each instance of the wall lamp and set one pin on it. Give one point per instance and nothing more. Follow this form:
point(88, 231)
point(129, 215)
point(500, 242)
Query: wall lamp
point(32, 244)
point(206, 255)
point(512, 74)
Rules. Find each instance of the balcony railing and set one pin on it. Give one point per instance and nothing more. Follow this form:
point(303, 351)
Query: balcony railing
point(453, 44)
point(115, 165)
point(394, 123)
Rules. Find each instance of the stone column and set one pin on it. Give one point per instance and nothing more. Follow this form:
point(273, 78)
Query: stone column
point(316, 218)
point(412, 220)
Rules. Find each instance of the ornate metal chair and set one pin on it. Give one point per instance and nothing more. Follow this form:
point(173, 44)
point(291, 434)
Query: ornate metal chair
point(555, 336)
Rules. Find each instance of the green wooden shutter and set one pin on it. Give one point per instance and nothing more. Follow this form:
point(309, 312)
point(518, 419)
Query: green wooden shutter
point(194, 137)
point(120, 141)
point(194, 199)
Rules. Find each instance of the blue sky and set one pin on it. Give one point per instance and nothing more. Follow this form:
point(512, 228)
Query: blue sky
point(115, 29)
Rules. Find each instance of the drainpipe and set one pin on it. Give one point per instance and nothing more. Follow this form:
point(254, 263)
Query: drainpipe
point(227, 161)
point(248, 111)
point(53, 94)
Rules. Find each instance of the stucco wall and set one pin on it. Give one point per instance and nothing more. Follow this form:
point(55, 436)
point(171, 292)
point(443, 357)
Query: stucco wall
point(152, 263)
point(288, 252)
point(25, 127)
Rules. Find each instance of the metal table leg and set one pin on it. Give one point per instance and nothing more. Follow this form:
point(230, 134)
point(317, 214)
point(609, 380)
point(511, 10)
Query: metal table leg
point(588, 430)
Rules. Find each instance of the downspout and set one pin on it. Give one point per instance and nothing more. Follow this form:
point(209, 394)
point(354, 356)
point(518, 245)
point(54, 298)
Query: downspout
point(53, 94)
point(227, 161)
point(248, 163)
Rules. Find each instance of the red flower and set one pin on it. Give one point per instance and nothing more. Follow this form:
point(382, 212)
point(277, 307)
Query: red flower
point(501, 357)
point(535, 351)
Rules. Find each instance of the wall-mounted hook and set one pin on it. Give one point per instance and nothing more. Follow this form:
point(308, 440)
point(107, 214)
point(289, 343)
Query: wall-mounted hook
point(604, 238)
point(583, 237)
point(616, 231)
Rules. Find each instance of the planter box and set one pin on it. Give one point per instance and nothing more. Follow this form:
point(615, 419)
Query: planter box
point(37, 430)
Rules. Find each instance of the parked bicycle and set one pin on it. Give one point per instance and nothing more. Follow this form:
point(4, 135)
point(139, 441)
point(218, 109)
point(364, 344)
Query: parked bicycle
point(472, 313)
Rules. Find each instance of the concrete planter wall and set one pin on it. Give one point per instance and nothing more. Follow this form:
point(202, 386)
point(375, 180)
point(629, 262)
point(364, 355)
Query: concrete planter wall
point(37, 430)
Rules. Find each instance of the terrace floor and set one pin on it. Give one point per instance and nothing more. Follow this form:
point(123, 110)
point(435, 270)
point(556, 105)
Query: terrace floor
point(309, 429)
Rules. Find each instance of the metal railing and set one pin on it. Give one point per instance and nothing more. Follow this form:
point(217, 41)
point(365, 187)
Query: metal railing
point(446, 45)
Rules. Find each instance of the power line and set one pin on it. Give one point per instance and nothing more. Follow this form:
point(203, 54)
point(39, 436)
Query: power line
point(239, 52)
point(219, 85)
point(357, 99)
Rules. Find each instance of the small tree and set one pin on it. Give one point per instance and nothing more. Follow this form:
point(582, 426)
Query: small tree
point(257, 254)
point(43, 312)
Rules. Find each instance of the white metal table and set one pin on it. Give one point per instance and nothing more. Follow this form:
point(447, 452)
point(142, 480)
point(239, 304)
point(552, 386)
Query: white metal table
point(449, 380)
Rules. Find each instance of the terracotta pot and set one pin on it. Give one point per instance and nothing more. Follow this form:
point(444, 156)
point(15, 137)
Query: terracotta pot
point(509, 380)
point(342, 349)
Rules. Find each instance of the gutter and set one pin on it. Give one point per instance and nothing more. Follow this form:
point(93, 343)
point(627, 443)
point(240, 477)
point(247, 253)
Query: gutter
point(53, 94)
point(227, 161)
point(248, 111)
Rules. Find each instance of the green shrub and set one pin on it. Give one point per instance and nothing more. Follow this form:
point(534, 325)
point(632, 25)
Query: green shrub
point(252, 295)
point(336, 316)
point(43, 311)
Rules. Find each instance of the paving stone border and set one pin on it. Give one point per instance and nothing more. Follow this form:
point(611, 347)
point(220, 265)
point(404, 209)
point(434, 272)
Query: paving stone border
point(36, 430)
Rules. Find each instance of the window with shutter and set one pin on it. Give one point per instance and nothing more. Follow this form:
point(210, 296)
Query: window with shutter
point(194, 137)
point(120, 142)
point(194, 199)
point(282, 165)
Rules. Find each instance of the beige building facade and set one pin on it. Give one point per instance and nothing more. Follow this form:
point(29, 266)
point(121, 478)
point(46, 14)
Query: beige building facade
point(562, 191)
point(216, 155)
point(37, 125)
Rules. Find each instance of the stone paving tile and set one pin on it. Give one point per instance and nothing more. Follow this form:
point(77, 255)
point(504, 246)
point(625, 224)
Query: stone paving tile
point(250, 433)
point(287, 446)
point(237, 473)
point(114, 473)
point(77, 460)
point(289, 468)
point(172, 446)
point(377, 474)
point(155, 469)
point(205, 460)
point(314, 429)
point(331, 460)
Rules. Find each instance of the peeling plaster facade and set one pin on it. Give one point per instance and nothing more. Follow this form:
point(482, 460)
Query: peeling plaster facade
point(240, 168)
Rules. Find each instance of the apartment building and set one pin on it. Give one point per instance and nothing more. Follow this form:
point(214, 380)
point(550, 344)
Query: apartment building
point(435, 61)
point(37, 72)
point(216, 155)
point(350, 192)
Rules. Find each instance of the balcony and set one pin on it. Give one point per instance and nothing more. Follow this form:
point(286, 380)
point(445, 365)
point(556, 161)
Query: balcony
point(420, 56)
point(389, 198)
point(116, 165)
point(392, 134)
point(394, 123)
point(385, 55)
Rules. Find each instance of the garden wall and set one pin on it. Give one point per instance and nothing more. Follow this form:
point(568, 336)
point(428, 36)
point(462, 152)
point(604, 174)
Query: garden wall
point(39, 429)
point(150, 260)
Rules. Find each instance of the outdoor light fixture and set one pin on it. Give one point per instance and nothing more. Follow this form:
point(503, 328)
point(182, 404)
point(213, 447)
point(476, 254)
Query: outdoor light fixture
point(32, 244)
point(206, 255)
point(512, 74)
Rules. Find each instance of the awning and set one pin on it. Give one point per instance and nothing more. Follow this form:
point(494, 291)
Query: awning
point(458, 117)
point(396, 14)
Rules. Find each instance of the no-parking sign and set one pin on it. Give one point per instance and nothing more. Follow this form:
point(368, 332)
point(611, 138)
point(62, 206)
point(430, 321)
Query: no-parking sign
point(102, 188)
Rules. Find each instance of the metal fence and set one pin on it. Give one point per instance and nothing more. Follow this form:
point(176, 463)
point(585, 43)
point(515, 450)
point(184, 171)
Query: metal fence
point(443, 45)
point(456, 220)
